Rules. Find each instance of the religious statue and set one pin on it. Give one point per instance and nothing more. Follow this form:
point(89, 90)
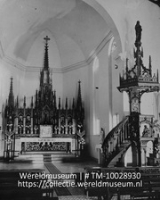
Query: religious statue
point(102, 136)
point(36, 129)
point(146, 132)
point(56, 129)
point(70, 125)
point(138, 30)
point(79, 127)
point(62, 125)
point(70, 128)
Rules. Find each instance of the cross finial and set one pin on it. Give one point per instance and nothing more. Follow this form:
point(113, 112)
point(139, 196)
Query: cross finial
point(46, 38)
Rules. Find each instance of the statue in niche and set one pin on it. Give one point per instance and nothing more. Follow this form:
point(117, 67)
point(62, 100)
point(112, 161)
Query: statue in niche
point(146, 132)
point(46, 117)
point(79, 127)
point(36, 129)
point(62, 125)
point(70, 125)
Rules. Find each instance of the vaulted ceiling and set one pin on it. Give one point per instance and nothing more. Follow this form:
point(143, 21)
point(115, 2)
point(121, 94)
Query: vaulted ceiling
point(75, 29)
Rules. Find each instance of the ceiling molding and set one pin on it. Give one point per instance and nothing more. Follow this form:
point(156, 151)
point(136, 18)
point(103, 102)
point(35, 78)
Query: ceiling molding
point(65, 69)
point(100, 47)
point(1, 51)
point(14, 63)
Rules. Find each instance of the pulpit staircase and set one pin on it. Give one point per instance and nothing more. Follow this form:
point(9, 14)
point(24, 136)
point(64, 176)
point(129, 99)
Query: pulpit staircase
point(116, 144)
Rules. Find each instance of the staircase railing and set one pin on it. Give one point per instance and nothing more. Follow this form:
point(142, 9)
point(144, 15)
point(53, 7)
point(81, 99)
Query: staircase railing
point(113, 142)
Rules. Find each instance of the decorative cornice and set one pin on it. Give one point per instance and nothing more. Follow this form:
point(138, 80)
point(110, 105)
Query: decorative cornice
point(65, 69)
point(14, 63)
point(1, 50)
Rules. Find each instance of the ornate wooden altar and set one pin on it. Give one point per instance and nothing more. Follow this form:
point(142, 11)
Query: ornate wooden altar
point(44, 126)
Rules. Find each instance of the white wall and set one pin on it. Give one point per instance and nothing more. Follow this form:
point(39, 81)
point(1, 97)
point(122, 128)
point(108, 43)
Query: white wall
point(105, 99)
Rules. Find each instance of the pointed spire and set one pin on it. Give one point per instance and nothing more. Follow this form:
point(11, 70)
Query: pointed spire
point(17, 102)
point(46, 63)
point(11, 85)
point(45, 73)
point(73, 104)
point(66, 103)
point(36, 101)
point(32, 102)
point(59, 105)
point(79, 107)
point(11, 96)
point(150, 66)
point(127, 67)
point(24, 103)
point(54, 99)
point(79, 100)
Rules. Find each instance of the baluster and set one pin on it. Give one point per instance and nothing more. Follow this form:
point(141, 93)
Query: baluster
point(118, 141)
point(120, 137)
point(112, 143)
point(115, 142)
point(123, 134)
point(125, 131)
point(110, 146)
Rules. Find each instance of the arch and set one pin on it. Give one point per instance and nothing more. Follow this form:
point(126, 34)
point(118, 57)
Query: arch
point(109, 21)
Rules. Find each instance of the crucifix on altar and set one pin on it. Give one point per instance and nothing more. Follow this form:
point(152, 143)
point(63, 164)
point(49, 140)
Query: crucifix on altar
point(9, 143)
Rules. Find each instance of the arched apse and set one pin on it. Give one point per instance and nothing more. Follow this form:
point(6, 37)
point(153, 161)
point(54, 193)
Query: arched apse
point(109, 21)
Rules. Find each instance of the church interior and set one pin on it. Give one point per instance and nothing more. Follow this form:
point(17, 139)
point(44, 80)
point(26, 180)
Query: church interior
point(79, 94)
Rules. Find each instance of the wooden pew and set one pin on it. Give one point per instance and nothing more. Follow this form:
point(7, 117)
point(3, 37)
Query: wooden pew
point(13, 187)
point(149, 184)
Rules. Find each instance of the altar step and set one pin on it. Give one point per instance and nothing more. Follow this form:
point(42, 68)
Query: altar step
point(43, 157)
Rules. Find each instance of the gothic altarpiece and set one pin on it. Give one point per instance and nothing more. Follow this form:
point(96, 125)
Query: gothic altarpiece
point(44, 126)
